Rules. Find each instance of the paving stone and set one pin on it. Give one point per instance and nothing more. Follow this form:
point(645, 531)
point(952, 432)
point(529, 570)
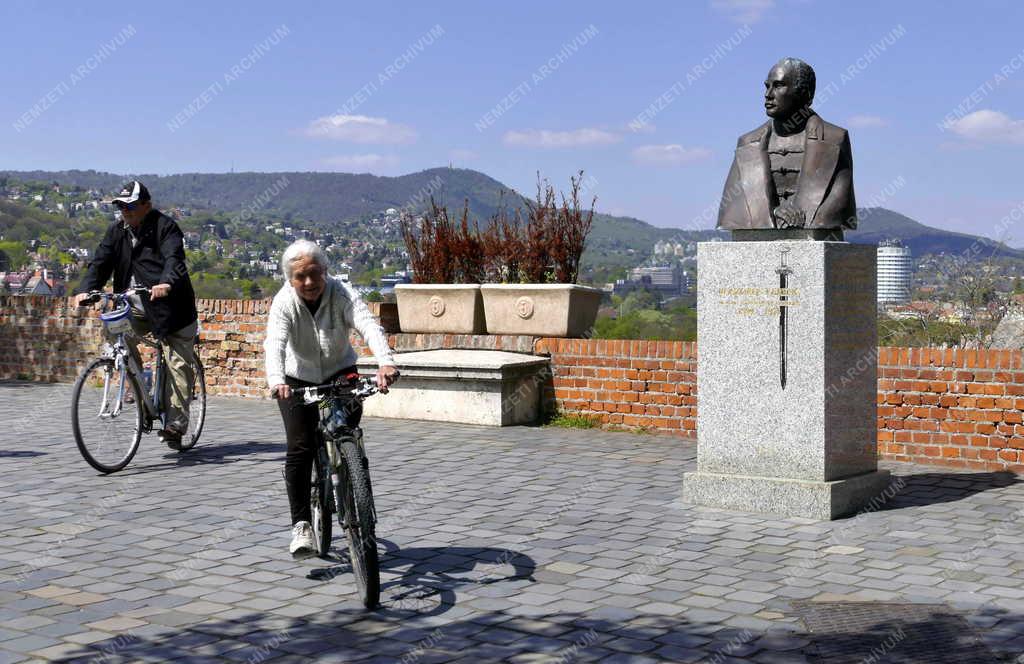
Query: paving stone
point(602, 546)
point(30, 643)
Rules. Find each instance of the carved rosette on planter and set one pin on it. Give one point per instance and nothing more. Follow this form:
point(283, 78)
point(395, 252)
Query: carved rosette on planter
point(447, 308)
point(542, 310)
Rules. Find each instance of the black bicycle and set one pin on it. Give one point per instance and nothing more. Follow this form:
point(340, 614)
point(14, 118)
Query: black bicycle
point(115, 400)
point(341, 477)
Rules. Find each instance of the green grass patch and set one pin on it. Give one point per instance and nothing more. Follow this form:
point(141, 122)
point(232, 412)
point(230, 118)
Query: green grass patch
point(573, 421)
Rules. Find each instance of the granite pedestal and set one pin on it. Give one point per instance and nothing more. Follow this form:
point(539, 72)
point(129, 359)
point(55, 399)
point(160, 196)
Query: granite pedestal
point(786, 403)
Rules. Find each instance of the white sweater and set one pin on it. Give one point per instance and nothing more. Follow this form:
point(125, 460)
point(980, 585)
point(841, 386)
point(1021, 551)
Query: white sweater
point(313, 348)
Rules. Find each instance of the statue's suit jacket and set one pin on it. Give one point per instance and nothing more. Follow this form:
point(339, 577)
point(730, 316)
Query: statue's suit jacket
point(824, 187)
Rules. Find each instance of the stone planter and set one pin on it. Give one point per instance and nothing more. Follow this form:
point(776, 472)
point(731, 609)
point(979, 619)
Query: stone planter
point(449, 308)
point(542, 310)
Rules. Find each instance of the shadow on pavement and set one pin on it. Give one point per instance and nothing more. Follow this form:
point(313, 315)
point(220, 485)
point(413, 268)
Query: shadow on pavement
point(430, 576)
point(608, 634)
point(202, 455)
point(923, 489)
point(219, 452)
point(20, 454)
point(13, 382)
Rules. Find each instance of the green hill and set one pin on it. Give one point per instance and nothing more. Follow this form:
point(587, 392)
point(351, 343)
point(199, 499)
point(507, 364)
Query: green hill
point(325, 199)
point(877, 224)
point(316, 197)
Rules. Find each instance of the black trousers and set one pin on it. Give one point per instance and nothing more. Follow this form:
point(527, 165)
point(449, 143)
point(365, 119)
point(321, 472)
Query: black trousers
point(300, 427)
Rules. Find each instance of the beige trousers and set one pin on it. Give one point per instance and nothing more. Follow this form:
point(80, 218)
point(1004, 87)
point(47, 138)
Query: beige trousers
point(179, 349)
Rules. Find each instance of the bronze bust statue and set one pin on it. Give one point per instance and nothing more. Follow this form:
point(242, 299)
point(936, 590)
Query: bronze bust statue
point(794, 171)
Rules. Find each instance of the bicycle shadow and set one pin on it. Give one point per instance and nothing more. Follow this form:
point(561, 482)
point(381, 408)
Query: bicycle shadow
point(428, 577)
point(208, 455)
point(221, 453)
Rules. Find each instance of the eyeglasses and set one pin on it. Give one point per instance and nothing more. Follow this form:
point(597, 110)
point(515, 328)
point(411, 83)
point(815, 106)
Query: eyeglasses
point(126, 206)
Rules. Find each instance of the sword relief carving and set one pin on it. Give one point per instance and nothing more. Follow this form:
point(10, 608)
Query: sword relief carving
point(783, 271)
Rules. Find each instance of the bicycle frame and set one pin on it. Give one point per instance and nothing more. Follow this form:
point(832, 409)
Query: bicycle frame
point(332, 426)
point(329, 410)
point(124, 361)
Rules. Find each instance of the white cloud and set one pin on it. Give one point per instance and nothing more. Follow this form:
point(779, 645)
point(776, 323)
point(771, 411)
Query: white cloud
point(360, 163)
point(542, 138)
point(359, 129)
point(989, 126)
point(743, 11)
point(866, 121)
point(669, 155)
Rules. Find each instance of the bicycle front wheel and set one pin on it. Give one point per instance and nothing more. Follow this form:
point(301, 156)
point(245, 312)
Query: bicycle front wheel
point(196, 406)
point(106, 415)
point(362, 541)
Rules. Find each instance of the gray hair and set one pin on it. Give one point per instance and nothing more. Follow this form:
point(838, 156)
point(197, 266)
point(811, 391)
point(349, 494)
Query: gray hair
point(297, 250)
point(803, 74)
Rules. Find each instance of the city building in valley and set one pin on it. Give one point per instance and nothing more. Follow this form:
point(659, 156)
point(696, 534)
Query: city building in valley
point(669, 279)
point(895, 269)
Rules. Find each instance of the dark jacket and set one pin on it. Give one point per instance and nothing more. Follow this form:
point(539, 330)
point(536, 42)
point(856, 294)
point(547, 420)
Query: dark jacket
point(158, 258)
point(824, 188)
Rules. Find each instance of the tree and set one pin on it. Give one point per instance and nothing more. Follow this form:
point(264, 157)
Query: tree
point(920, 330)
point(640, 299)
point(976, 305)
point(13, 256)
point(980, 302)
point(677, 324)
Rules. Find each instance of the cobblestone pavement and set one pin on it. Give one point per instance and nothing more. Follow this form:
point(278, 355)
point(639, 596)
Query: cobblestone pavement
point(500, 545)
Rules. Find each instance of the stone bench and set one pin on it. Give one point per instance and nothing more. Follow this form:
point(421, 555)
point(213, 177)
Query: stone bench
point(489, 387)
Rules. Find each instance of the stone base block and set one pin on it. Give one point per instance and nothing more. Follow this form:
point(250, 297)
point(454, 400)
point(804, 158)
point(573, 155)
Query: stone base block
point(470, 386)
point(787, 497)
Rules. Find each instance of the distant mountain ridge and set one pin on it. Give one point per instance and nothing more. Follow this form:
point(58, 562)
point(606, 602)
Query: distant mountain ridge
point(318, 197)
point(323, 198)
point(878, 224)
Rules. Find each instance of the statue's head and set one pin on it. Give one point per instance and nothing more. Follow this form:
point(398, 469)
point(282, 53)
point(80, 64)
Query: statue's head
point(788, 88)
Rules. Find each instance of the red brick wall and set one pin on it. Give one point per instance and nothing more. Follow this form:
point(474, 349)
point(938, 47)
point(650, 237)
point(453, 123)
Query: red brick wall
point(949, 407)
point(649, 384)
point(959, 408)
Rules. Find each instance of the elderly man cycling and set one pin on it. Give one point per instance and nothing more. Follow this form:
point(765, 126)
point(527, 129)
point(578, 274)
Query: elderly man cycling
point(308, 344)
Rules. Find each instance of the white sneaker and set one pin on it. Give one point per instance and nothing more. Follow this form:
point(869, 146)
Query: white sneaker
point(302, 541)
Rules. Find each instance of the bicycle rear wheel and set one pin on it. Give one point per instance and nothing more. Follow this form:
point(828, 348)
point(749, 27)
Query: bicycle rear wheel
point(362, 541)
point(320, 500)
point(196, 407)
point(107, 428)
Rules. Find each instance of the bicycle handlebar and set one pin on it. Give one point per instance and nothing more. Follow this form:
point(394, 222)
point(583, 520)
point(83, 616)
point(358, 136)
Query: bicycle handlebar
point(360, 389)
point(97, 295)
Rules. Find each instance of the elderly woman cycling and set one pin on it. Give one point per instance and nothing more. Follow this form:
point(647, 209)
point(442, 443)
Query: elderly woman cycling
point(308, 344)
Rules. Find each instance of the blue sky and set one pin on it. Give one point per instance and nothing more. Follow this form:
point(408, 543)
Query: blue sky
point(515, 88)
